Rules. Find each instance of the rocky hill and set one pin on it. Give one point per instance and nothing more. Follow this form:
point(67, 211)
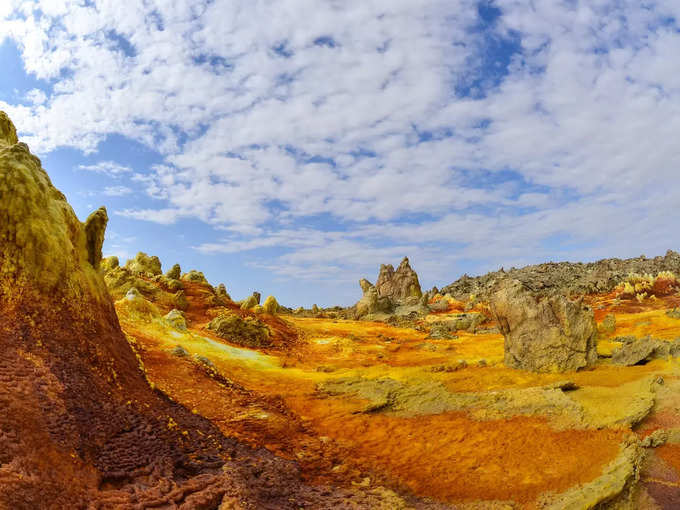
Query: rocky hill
point(566, 277)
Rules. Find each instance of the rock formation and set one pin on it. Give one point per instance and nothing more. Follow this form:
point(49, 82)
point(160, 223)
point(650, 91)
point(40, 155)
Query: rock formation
point(638, 351)
point(543, 332)
point(144, 265)
point(400, 285)
point(271, 305)
point(567, 277)
point(174, 273)
point(393, 289)
point(247, 331)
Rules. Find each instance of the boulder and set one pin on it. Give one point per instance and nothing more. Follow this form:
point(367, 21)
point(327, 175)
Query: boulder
point(638, 351)
point(257, 297)
point(175, 319)
point(271, 305)
point(144, 265)
point(250, 302)
point(543, 332)
point(194, 277)
point(95, 227)
point(249, 331)
point(175, 272)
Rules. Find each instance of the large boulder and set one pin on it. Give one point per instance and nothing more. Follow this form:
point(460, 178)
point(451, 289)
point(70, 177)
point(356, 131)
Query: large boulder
point(543, 332)
point(638, 351)
point(248, 331)
point(271, 305)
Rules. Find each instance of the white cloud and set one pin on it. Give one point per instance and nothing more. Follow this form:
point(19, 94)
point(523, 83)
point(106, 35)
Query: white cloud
point(262, 129)
point(162, 216)
point(110, 168)
point(117, 191)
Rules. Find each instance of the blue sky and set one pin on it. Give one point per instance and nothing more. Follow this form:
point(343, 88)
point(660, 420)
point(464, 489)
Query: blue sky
point(293, 153)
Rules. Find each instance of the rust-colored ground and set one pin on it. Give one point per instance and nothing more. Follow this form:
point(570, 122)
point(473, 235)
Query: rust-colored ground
point(270, 399)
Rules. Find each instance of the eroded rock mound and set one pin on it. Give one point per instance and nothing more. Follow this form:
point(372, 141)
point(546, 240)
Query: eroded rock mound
point(144, 265)
point(638, 351)
point(247, 331)
point(543, 332)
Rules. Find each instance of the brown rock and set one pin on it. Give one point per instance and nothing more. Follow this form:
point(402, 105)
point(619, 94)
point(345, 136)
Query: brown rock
point(95, 227)
point(398, 285)
point(543, 332)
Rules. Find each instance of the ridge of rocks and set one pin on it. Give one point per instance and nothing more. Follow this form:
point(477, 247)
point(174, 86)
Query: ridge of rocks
point(566, 277)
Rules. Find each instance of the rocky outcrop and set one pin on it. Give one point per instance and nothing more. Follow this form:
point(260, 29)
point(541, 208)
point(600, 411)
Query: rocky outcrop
point(175, 319)
point(194, 277)
point(95, 227)
point(174, 273)
point(144, 265)
point(221, 292)
point(566, 277)
point(393, 291)
point(371, 303)
point(249, 303)
point(400, 285)
point(543, 332)
point(271, 305)
point(638, 351)
point(247, 331)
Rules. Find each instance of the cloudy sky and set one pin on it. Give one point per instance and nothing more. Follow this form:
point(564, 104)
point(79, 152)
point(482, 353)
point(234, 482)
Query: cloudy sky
point(291, 146)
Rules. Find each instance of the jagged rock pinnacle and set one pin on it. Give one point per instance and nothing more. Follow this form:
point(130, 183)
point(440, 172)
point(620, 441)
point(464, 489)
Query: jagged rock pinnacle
point(8, 133)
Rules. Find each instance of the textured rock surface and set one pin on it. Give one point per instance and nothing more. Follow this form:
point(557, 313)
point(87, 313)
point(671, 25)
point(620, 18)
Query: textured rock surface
point(271, 305)
point(567, 277)
point(371, 303)
point(194, 276)
point(638, 351)
point(246, 331)
point(144, 265)
point(174, 273)
point(543, 333)
point(175, 319)
point(95, 227)
point(398, 285)
point(394, 291)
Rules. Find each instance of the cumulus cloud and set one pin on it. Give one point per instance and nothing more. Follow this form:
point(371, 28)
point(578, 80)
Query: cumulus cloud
point(527, 131)
point(109, 168)
point(117, 191)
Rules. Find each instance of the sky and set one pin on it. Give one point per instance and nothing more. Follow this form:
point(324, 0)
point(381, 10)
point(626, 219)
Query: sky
point(292, 146)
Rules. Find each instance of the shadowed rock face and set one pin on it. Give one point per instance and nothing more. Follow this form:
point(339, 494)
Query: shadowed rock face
point(543, 333)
